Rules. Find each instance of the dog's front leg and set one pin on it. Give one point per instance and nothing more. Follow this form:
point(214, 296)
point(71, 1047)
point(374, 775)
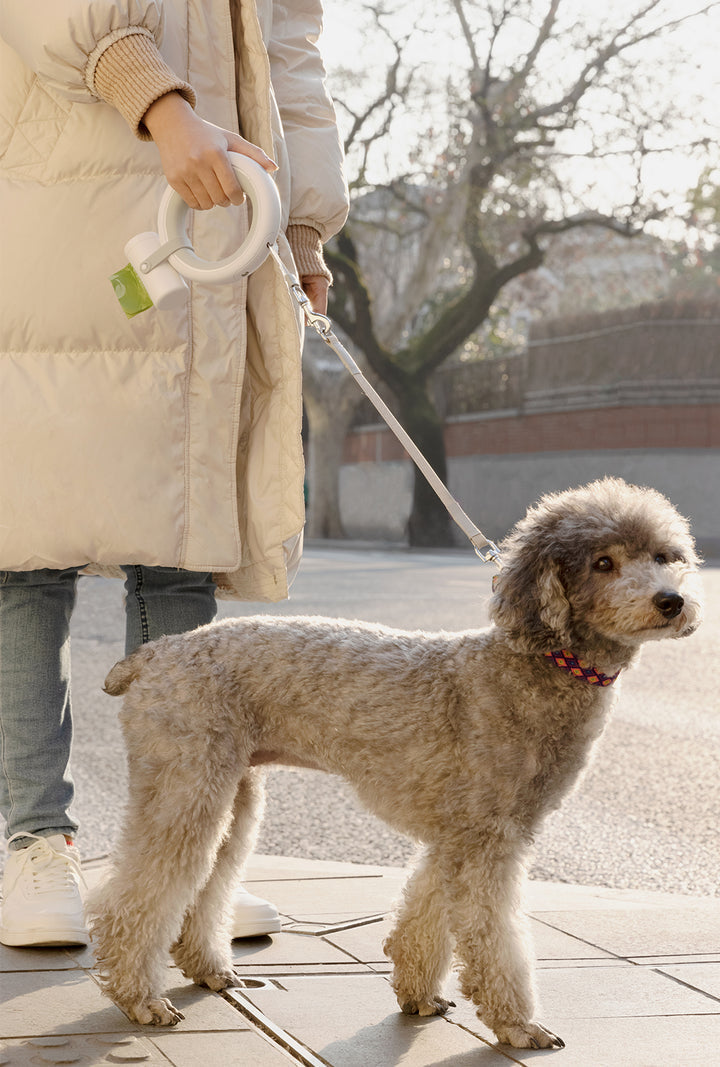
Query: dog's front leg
point(482, 882)
point(420, 944)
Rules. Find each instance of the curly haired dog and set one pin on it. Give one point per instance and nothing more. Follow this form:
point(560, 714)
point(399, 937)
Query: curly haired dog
point(463, 741)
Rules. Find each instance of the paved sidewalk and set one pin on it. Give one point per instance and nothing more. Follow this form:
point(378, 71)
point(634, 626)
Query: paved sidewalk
point(627, 980)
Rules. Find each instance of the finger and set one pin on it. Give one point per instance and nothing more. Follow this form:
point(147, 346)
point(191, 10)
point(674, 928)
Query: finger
point(218, 187)
point(183, 190)
point(228, 182)
point(236, 143)
point(204, 200)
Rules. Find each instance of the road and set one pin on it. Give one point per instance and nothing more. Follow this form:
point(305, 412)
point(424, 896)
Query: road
point(645, 815)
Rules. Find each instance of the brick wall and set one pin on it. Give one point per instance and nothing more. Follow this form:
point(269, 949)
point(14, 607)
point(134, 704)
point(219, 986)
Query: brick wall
point(634, 426)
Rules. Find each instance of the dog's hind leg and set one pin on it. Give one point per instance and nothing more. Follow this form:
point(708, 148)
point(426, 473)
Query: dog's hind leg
point(202, 952)
point(177, 814)
point(492, 940)
point(420, 944)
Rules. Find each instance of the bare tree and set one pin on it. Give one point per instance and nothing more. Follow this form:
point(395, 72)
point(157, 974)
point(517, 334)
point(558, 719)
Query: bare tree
point(545, 124)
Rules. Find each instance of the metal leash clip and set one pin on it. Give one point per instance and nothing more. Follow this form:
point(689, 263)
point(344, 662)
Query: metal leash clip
point(320, 323)
point(492, 555)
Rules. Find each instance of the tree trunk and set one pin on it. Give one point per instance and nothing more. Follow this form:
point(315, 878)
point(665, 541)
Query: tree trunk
point(429, 525)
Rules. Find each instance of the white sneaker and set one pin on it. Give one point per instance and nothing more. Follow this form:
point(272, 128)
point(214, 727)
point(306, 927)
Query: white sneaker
point(253, 917)
point(41, 902)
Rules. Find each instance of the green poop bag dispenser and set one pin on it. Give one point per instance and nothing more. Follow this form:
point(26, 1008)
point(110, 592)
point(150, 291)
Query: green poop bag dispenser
point(161, 263)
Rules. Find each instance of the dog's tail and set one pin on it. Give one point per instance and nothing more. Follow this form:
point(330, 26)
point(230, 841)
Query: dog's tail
point(124, 673)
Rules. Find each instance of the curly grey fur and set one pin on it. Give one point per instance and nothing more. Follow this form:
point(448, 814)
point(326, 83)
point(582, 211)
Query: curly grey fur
point(463, 741)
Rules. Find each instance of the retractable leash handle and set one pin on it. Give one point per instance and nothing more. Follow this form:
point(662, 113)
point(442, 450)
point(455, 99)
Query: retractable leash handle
point(161, 262)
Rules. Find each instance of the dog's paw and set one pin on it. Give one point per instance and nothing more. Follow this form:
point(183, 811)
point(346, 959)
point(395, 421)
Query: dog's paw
point(204, 967)
point(155, 1011)
point(528, 1035)
point(426, 1006)
point(218, 979)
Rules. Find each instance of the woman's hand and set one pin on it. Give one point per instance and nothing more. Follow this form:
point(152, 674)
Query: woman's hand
point(194, 154)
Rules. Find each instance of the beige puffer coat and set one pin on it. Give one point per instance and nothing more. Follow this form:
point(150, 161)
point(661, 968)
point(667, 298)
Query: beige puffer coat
point(172, 438)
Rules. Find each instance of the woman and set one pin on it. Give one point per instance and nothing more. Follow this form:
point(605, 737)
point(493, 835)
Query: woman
point(167, 446)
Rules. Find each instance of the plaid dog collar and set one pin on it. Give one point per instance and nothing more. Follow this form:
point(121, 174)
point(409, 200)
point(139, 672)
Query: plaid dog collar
point(574, 666)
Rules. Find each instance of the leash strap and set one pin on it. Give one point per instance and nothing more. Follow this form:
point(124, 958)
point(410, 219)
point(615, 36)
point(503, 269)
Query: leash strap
point(487, 550)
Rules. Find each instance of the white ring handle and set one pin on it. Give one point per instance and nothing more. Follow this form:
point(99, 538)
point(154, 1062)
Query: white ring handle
point(265, 224)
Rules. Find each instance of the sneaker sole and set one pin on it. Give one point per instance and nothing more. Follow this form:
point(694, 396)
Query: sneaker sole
point(256, 929)
point(43, 938)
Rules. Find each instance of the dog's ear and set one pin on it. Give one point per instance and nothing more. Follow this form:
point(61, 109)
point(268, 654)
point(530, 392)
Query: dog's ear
point(529, 602)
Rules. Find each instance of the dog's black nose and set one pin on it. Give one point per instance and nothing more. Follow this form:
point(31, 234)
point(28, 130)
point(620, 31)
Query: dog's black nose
point(668, 604)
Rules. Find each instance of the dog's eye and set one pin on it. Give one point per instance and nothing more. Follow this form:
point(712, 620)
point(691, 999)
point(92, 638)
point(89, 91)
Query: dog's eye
point(603, 564)
point(661, 558)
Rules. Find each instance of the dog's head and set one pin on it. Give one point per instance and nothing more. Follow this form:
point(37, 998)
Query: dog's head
point(605, 565)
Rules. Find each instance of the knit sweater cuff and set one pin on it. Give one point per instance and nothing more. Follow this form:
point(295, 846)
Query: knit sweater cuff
point(306, 248)
point(131, 75)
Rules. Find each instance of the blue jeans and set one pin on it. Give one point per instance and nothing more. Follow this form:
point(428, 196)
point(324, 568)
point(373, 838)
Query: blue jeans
point(36, 787)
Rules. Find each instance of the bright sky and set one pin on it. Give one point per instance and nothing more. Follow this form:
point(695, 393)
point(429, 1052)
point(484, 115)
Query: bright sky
point(439, 47)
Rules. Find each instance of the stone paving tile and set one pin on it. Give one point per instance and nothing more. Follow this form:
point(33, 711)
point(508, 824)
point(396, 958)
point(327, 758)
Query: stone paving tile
point(563, 896)
point(363, 942)
point(56, 1002)
point(203, 1010)
point(327, 988)
point(552, 944)
point(611, 961)
point(658, 961)
point(82, 1050)
point(83, 956)
point(319, 897)
point(620, 992)
point(572, 993)
point(36, 959)
point(245, 1048)
point(355, 1022)
point(287, 948)
point(61, 1002)
point(704, 976)
point(645, 931)
point(653, 1042)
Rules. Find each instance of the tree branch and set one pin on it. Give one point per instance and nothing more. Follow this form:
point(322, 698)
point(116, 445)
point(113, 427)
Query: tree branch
point(463, 315)
point(519, 78)
point(615, 47)
point(584, 218)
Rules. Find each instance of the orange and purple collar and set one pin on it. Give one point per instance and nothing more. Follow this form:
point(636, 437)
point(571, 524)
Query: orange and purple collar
point(570, 663)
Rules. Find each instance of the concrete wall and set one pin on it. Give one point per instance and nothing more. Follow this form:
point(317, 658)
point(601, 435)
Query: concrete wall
point(495, 491)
